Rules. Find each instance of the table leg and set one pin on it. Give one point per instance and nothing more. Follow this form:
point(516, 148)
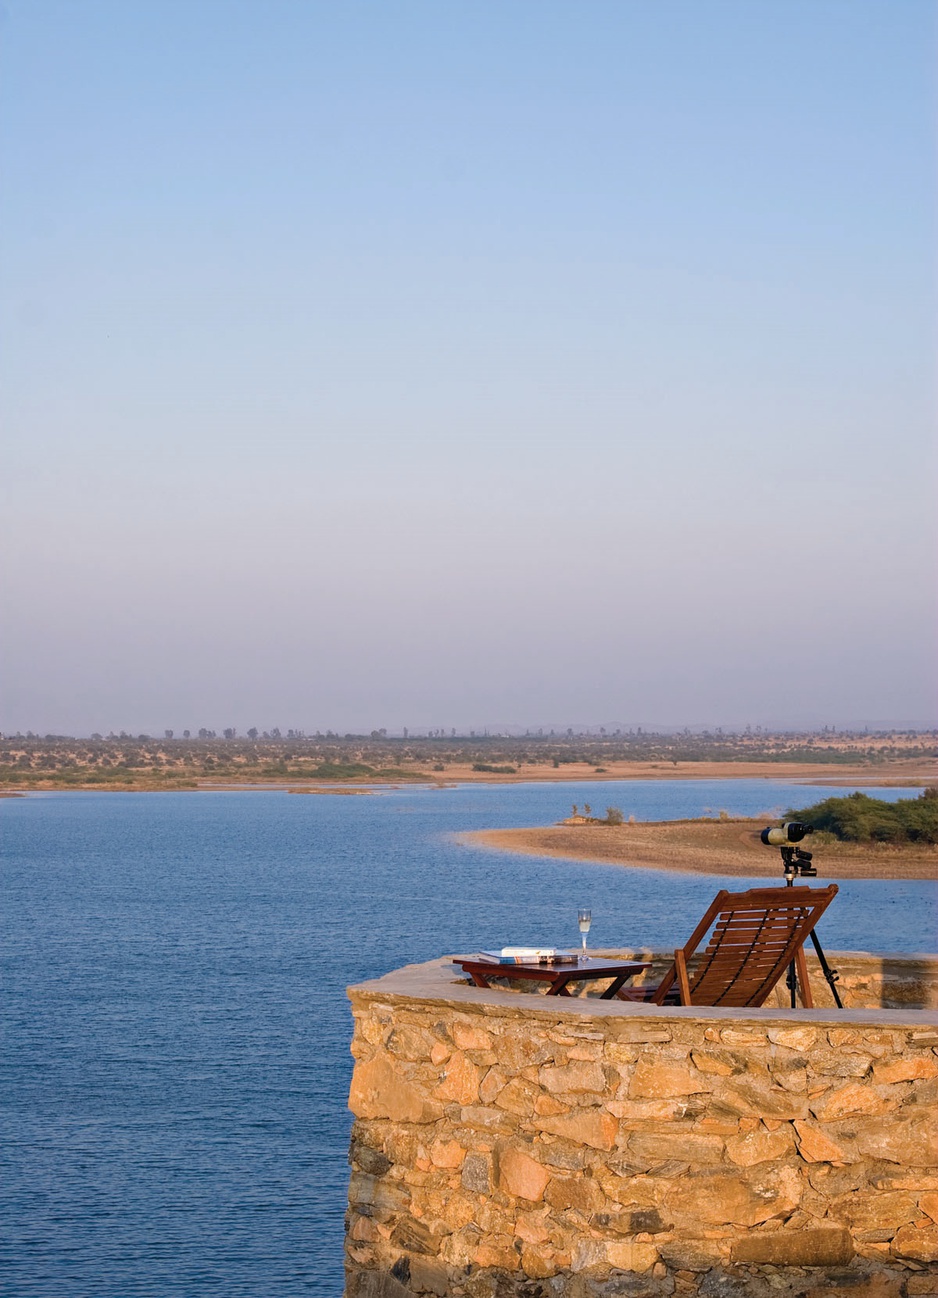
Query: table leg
point(559, 986)
point(615, 987)
point(479, 979)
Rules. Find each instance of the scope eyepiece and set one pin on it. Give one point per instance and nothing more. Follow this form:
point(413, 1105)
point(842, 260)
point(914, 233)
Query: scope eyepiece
point(793, 831)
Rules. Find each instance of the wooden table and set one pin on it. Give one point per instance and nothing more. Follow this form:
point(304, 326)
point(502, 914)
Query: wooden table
point(586, 969)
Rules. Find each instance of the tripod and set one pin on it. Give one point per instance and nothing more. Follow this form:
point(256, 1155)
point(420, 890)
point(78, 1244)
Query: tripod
point(799, 862)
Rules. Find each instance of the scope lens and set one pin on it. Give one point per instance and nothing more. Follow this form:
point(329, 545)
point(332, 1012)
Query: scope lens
point(796, 830)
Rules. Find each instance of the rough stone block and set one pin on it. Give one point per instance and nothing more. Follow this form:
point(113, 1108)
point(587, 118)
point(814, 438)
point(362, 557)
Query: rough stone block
point(850, 1100)
point(585, 1127)
point(922, 1286)
point(376, 1197)
point(523, 1049)
point(750, 1037)
point(917, 1243)
point(826, 1246)
point(518, 1097)
point(904, 1070)
point(531, 1227)
point(374, 1284)
point(759, 1146)
point(794, 1038)
point(493, 1254)
point(477, 1173)
point(838, 1063)
point(690, 1254)
point(885, 1211)
point(429, 1276)
point(630, 1255)
point(815, 1146)
point(468, 1036)
point(369, 1160)
point(721, 1063)
point(579, 1192)
point(411, 1043)
point(520, 1174)
point(755, 1095)
point(490, 1085)
point(416, 1237)
point(460, 1082)
point(487, 1117)
point(640, 1221)
point(640, 1111)
point(447, 1153)
point(535, 1265)
point(910, 1142)
point(720, 1198)
point(581, 1077)
point(657, 1079)
point(684, 1146)
point(379, 1091)
point(857, 1285)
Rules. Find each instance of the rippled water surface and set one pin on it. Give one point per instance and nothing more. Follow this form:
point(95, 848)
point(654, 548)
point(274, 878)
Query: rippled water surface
point(175, 1060)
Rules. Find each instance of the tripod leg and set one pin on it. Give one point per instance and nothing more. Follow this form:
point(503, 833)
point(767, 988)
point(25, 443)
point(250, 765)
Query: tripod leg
point(792, 981)
point(830, 974)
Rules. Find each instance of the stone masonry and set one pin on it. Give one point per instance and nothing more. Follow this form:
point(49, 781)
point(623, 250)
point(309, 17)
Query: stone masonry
point(514, 1146)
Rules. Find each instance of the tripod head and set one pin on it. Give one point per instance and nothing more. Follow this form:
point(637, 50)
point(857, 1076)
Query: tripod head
point(796, 862)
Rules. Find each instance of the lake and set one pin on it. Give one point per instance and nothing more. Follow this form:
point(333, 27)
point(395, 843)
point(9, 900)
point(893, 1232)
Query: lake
point(175, 1029)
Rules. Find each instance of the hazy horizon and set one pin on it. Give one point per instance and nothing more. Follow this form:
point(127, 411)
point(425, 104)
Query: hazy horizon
point(457, 366)
point(558, 729)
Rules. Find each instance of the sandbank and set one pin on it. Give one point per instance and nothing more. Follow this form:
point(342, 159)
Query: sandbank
point(897, 773)
point(715, 847)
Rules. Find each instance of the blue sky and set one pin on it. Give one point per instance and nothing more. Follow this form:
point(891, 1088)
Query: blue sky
point(392, 364)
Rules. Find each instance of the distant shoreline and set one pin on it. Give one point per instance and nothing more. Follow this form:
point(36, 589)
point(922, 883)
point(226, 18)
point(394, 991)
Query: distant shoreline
point(899, 773)
point(712, 847)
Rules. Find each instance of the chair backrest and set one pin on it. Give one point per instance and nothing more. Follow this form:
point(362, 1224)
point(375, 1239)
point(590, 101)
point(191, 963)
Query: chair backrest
point(756, 936)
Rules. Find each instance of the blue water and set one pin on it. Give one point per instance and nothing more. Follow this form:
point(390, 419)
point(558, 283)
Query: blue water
point(174, 1061)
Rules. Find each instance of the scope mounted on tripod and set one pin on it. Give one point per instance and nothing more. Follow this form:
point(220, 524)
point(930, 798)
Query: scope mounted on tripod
point(796, 860)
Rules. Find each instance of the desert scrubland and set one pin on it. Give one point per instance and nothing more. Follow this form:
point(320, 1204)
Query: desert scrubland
point(204, 759)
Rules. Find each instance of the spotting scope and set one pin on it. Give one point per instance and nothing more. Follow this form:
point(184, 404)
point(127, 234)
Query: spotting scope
point(793, 831)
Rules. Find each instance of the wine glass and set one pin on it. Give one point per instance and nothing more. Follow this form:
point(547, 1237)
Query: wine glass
point(584, 918)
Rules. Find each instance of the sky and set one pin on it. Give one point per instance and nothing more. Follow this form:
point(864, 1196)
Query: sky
point(510, 363)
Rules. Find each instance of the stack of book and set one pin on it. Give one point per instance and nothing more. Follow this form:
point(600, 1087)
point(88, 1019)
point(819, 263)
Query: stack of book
point(532, 955)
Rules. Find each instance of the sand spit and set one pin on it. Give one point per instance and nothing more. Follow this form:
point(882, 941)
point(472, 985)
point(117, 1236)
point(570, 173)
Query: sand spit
point(898, 773)
point(722, 847)
point(336, 791)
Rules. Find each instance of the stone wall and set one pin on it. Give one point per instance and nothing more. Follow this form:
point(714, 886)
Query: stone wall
point(514, 1146)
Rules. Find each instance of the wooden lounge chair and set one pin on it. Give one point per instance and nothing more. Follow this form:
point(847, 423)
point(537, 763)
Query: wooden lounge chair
point(756, 936)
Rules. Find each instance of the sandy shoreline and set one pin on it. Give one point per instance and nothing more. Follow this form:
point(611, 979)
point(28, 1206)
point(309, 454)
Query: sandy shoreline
point(711, 847)
point(898, 773)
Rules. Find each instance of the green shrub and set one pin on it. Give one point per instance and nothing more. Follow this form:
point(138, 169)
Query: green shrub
point(859, 818)
point(342, 770)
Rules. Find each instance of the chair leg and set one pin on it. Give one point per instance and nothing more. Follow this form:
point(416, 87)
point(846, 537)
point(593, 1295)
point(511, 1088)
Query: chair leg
point(683, 981)
point(801, 968)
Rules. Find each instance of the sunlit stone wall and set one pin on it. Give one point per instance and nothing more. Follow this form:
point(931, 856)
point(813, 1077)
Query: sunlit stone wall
point(513, 1146)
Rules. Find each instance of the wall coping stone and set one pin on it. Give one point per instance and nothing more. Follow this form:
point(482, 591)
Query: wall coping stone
point(438, 982)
